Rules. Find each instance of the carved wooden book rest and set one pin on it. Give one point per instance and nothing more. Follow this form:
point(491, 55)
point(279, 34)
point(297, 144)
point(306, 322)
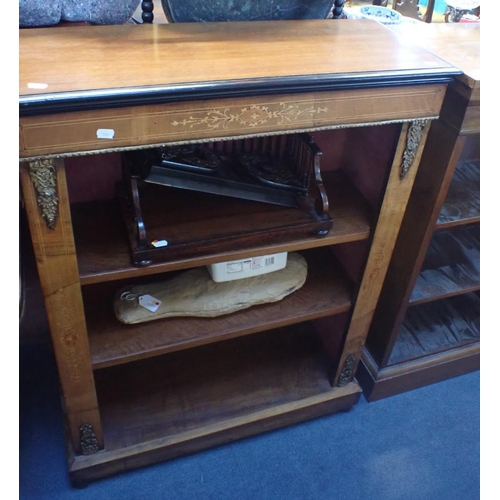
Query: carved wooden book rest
point(265, 188)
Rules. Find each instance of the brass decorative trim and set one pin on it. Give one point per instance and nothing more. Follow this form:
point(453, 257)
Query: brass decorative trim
point(347, 373)
point(43, 176)
point(88, 440)
point(413, 138)
point(212, 139)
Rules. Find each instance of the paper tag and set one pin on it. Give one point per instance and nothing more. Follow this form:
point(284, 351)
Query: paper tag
point(149, 302)
point(159, 243)
point(105, 133)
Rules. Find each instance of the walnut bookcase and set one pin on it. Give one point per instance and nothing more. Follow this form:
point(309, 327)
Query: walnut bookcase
point(426, 325)
point(134, 396)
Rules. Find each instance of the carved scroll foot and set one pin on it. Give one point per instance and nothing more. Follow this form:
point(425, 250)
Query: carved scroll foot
point(44, 178)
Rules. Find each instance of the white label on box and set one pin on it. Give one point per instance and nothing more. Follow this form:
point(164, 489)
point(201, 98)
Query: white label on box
point(257, 262)
point(239, 266)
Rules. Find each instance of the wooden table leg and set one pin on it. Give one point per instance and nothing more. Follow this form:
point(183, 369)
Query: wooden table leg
point(47, 206)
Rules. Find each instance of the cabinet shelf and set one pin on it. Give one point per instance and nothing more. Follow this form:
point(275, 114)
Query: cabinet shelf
point(451, 265)
point(185, 401)
point(436, 327)
point(326, 291)
point(243, 375)
point(462, 200)
point(103, 248)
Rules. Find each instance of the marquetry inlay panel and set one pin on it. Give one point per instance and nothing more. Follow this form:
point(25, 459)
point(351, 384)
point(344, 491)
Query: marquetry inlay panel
point(139, 126)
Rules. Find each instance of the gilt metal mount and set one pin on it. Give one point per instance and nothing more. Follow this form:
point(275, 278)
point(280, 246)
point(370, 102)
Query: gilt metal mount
point(44, 178)
point(88, 440)
point(413, 138)
point(347, 373)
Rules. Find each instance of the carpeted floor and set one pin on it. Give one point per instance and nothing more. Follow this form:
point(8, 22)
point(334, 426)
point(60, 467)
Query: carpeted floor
point(421, 445)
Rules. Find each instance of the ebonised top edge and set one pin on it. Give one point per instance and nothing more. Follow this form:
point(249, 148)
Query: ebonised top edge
point(38, 104)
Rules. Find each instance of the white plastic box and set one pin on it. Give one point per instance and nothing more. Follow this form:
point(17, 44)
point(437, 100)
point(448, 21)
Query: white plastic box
point(246, 268)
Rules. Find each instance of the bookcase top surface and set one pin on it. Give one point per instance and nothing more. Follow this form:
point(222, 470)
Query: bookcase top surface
point(457, 43)
point(133, 64)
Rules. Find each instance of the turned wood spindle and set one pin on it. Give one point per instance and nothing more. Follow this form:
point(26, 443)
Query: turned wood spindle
point(338, 9)
point(147, 11)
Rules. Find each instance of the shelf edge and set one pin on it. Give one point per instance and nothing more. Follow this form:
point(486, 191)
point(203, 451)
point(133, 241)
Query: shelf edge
point(103, 463)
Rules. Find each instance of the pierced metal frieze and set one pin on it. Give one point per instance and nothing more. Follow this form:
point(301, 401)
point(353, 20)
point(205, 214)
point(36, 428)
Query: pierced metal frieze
point(348, 371)
point(43, 176)
point(413, 138)
point(88, 440)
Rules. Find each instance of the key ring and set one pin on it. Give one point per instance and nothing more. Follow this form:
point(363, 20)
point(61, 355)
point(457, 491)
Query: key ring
point(130, 296)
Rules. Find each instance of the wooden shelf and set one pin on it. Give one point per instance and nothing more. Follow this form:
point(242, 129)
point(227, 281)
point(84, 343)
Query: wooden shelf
point(185, 401)
point(242, 375)
point(327, 291)
point(436, 327)
point(104, 253)
point(451, 265)
point(462, 200)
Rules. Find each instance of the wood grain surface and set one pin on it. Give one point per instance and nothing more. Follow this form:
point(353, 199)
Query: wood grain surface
point(394, 379)
point(213, 393)
point(103, 248)
point(439, 338)
point(442, 152)
point(195, 121)
point(243, 376)
point(58, 271)
point(457, 43)
point(391, 213)
point(130, 56)
point(462, 203)
point(326, 291)
point(451, 265)
point(156, 410)
point(437, 326)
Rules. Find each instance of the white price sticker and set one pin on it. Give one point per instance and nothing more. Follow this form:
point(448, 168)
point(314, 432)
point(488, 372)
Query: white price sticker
point(159, 243)
point(105, 133)
point(39, 86)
